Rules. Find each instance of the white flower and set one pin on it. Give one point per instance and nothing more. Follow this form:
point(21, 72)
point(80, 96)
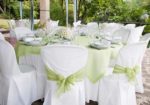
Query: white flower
point(144, 16)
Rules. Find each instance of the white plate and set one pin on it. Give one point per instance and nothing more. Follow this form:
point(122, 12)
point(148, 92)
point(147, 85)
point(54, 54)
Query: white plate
point(38, 39)
point(28, 39)
point(35, 43)
point(99, 45)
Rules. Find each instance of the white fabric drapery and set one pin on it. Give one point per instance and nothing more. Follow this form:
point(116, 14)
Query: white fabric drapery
point(65, 60)
point(116, 89)
point(18, 87)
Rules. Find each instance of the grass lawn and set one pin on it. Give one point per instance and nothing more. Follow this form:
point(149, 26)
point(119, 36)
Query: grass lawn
point(4, 23)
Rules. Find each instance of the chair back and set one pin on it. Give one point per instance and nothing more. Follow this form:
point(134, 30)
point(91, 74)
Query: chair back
point(109, 28)
point(135, 35)
point(8, 63)
point(145, 37)
point(92, 29)
point(123, 33)
point(92, 25)
point(130, 26)
point(20, 32)
point(131, 55)
point(64, 59)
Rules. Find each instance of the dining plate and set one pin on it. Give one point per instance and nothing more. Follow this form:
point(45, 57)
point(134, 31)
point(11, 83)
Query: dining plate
point(98, 45)
point(35, 43)
point(27, 39)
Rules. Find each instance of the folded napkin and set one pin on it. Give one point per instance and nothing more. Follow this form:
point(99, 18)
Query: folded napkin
point(75, 24)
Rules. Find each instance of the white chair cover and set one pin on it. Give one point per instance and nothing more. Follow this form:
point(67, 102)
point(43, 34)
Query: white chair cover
point(92, 29)
point(116, 88)
point(20, 32)
point(109, 28)
point(91, 90)
point(36, 61)
point(135, 35)
point(17, 88)
point(130, 26)
point(123, 33)
point(145, 37)
point(65, 60)
point(92, 25)
point(1, 37)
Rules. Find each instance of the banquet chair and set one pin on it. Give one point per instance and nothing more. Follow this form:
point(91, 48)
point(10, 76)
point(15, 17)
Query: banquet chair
point(145, 37)
point(123, 33)
point(130, 26)
point(139, 86)
point(20, 32)
point(92, 29)
point(109, 28)
point(92, 24)
point(119, 88)
point(17, 83)
point(135, 35)
point(65, 74)
point(1, 37)
point(122, 36)
point(36, 61)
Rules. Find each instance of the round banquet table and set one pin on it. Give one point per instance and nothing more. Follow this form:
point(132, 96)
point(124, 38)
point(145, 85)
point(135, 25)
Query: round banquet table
point(96, 67)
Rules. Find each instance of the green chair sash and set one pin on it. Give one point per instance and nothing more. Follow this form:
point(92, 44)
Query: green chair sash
point(130, 72)
point(64, 84)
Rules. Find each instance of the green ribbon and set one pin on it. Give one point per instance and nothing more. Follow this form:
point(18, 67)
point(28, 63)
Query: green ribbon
point(130, 72)
point(64, 84)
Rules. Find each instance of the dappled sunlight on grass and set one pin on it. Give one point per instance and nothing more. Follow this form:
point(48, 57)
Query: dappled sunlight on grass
point(4, 23)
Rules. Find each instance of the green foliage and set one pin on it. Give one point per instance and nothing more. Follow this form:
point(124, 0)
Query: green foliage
point(88, 10)
point(13, 9)
point(39, 25)
point(4, 15)
point(57, 12)
point(111, 11)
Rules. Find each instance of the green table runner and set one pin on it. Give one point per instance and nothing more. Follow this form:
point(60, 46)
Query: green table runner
point(98, 60)
point(22, 50)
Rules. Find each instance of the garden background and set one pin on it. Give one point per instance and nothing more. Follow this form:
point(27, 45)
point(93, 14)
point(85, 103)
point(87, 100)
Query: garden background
point(122, 11)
